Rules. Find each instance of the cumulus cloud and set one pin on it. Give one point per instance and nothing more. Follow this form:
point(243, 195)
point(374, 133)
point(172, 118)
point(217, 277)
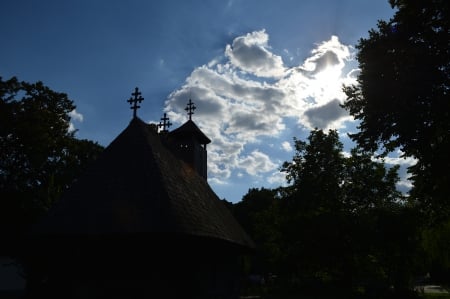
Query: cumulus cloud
point(256, 163)
point(237, 110)
point(323, 116)
point(251, 53)
point(327, 54)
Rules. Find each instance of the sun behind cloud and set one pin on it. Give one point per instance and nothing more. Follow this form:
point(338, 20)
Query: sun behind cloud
point(241, 111)
point(329, 76)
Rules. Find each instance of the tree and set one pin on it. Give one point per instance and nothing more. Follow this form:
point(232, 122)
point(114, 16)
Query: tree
point(315, 224)
point(401, 98)
point(345, 226)
point(368, 184)
point(39, 156)
point(315, 170)
point(259, 214)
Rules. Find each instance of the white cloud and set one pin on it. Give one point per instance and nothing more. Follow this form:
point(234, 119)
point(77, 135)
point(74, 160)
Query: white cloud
point(397, 158)
point(405, 183)
point(217, 181)
point(251, 53)
point(71, 128)
point(327, 54)
point(408, 161)
point(286, 146)
point(256, 163)
point(76, 115)
point(277, 178)
point(236, 110)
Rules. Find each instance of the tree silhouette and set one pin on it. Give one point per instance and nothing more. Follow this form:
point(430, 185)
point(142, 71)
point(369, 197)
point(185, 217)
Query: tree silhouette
point(39, 156)
point(340, 228)
point(401, 97)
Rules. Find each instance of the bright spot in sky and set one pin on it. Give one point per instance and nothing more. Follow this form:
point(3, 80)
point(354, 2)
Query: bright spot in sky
point(328, 82)
point(329, 76)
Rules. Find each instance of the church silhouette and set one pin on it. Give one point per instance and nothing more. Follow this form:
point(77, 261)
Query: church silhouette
point(141, 222)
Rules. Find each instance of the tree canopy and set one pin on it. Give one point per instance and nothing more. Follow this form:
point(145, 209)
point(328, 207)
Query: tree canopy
point(341, 225)
point(40, 156)
point(401, 97)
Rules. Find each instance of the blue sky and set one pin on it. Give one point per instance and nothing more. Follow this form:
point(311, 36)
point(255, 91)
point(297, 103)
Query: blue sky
point(259, 72)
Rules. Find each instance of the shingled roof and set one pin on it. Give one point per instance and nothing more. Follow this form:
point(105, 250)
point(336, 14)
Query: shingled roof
point(138, 186)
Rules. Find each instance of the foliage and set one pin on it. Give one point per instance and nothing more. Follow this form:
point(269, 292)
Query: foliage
point(315, 170)
point(436, 243)
point(259, 214)
point(368, 184)
point(341, 226)
point(40, 157)
point(401, 98)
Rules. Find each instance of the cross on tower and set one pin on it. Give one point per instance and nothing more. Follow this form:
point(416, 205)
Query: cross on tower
point(190, 109)
point(134, 101)
point(165, 124)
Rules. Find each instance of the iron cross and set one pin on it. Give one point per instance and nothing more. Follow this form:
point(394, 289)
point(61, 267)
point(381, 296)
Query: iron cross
point(190, 109)
point(134, 101)
point(165, 124)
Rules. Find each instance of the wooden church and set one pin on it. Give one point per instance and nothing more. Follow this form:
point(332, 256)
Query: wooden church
point(142, 222)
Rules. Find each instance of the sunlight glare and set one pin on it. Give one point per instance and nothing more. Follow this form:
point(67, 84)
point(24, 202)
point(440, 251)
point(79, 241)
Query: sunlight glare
point(329, 76)
point(327, 84)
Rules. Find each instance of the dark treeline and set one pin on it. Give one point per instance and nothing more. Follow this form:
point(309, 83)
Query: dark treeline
point(341, 226)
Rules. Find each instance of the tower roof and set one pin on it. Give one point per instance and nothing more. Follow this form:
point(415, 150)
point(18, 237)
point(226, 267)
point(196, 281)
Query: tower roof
point(138, 186)
point(189, 128)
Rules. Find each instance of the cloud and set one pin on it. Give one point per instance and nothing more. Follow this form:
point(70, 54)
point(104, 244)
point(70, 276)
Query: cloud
point(327, 59)
point(256, 163)
point(286, 146)
point(327, 54)
point(237, 108)
point(71, 128)
point(405, 184)
point(76, 116)
point(323, 116)
point(277, 178)
point(251, 53)
point(408, 161)
point(397, 158)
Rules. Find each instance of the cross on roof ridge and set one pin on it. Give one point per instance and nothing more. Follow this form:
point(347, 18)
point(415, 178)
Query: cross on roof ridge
point(190, 108)
point(165, 124)
point(134, 101)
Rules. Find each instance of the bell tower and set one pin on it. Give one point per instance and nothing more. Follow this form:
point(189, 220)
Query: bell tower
point(188, 143)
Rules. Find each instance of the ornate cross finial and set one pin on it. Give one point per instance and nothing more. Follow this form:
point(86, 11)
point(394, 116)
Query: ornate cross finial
point(134, 101)
point(190, 109)
point(165, 124)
